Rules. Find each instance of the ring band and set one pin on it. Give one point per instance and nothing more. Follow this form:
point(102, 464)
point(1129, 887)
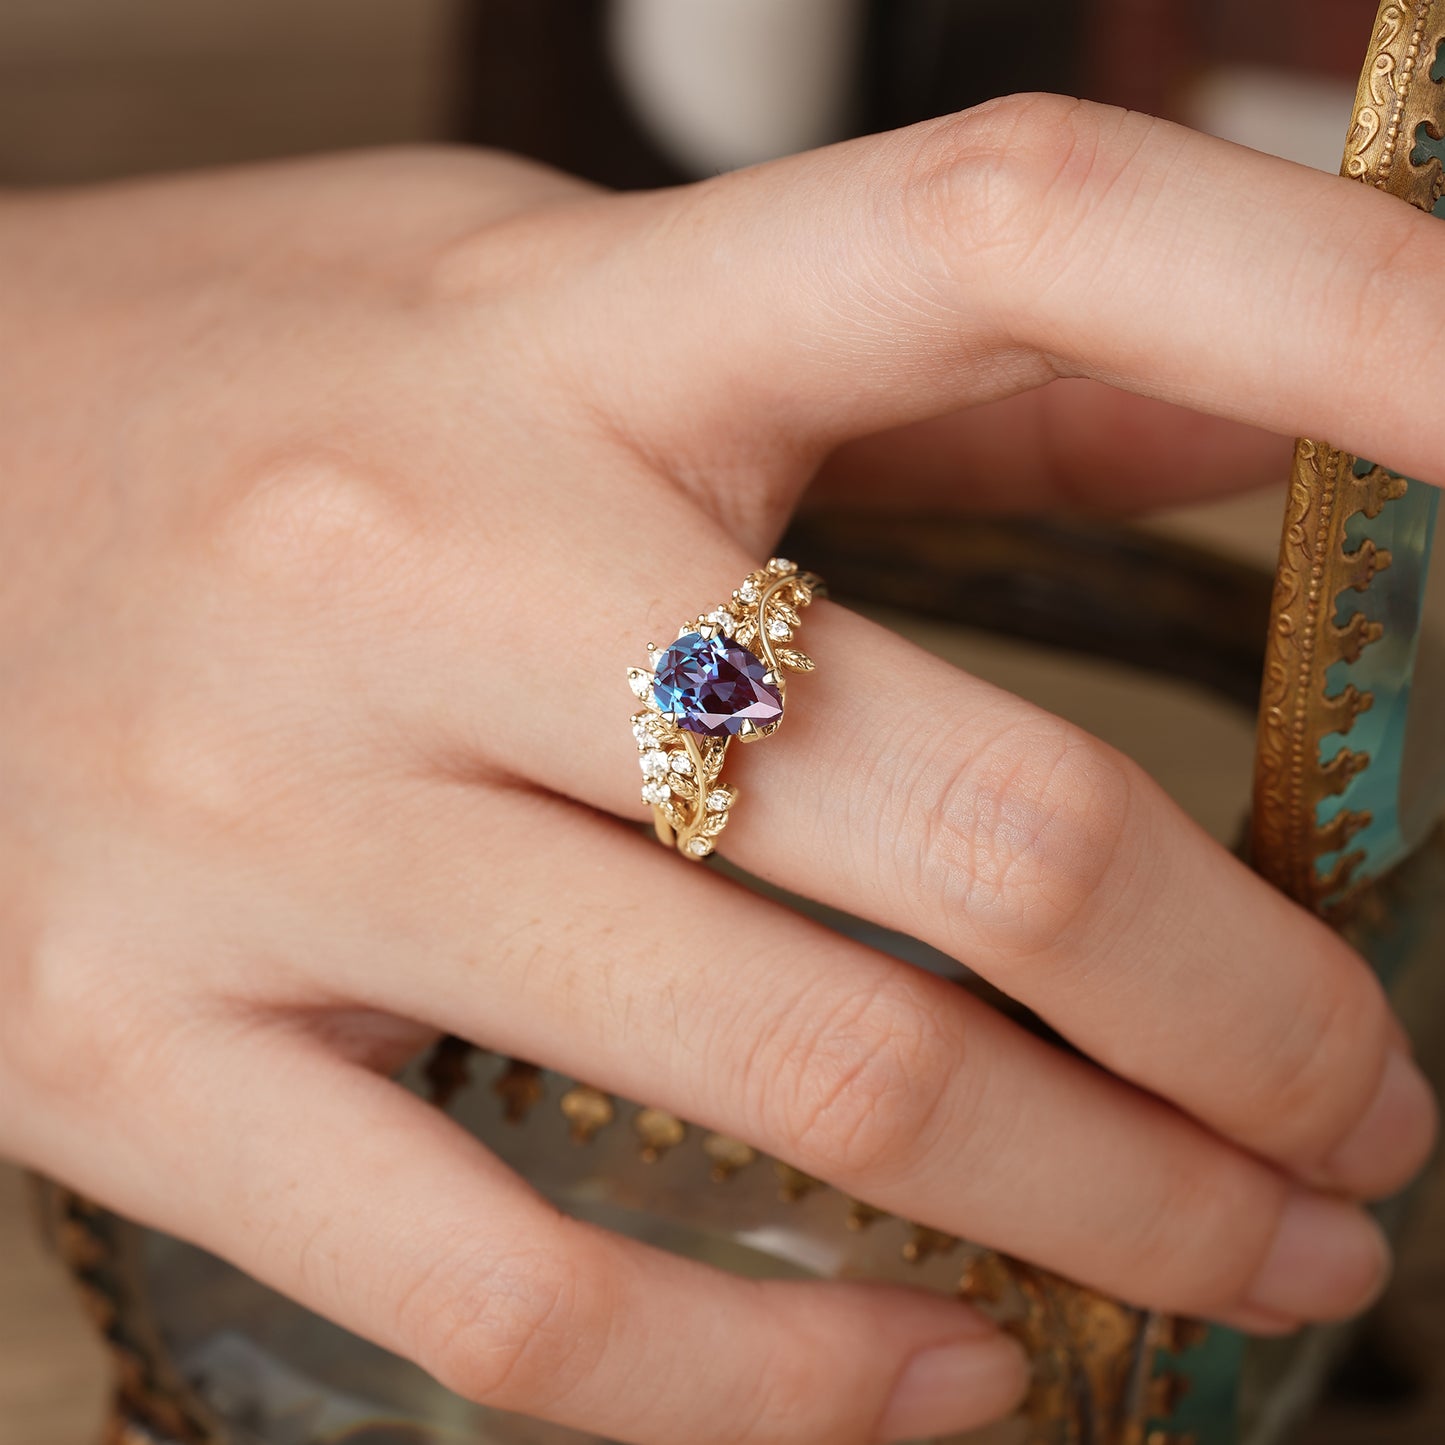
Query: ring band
point(724, 677)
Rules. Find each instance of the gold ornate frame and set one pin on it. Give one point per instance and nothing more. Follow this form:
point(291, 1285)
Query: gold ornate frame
point(1396, 97)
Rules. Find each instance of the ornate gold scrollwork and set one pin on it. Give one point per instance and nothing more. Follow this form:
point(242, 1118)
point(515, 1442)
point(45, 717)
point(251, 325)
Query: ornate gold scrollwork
point(1397, 98)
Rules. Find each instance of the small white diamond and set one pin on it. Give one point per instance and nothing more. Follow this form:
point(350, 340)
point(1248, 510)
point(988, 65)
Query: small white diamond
point(699, 847)
point(641, 683)
point(719, 801)
point(749, 591)
point(654, 763)
point(656, 793)
point(724, 620)
point(781, 565)
point(779, 630)
point(643, 734)
point(681, 763)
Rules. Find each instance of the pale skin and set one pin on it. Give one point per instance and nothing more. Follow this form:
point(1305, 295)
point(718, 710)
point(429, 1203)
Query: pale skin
point(337, 497)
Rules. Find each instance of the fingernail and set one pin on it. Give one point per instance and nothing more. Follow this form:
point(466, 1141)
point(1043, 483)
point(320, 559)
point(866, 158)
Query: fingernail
point(955, 1387)
point(1329, 1260)
point(1394, 1138)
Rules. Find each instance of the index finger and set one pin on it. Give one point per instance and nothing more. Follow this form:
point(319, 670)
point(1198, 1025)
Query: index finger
point(886, 280)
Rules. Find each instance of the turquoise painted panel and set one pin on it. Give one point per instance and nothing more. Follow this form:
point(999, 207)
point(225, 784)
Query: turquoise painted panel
point(1405, 527)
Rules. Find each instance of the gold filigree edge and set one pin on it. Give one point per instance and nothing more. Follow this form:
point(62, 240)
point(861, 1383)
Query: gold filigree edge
point(1315, 568)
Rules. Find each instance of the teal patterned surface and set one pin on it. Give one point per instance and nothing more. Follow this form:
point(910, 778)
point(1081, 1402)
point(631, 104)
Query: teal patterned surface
point(1208, 1412)
point(1385, 669)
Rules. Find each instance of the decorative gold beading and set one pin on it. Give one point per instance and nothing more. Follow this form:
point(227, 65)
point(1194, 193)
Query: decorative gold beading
point(1397, 100)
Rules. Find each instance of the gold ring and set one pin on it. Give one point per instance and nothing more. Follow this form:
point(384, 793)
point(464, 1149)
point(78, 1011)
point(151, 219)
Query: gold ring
point(724, 677)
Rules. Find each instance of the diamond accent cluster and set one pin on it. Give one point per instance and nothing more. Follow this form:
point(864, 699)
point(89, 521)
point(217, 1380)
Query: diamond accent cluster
point(724, 677)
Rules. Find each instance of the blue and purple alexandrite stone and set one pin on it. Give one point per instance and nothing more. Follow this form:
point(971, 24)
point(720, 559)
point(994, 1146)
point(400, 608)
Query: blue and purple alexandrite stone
point(714, 685)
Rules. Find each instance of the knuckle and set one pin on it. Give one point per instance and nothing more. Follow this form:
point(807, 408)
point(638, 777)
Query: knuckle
point(76, 1023)
point(1320, 1071)
point(313, 520)
point(512, 1330)
point(1200, 1246)
point(993, 176)
point(997, 185)
point(1369, 303)
point(780, 1402)
point(33, 1047)
point(858, 1088)
point(497, 259)
point(512, 241)
point(1021, 839)
point(171, 768)
point(205, 775)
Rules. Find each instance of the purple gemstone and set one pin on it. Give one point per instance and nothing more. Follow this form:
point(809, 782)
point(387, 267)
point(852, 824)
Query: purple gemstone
point(713, 685)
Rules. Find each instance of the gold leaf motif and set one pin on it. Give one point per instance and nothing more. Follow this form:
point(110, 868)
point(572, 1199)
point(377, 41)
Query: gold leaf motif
point(683, 787)
point(713, 824)
point(659, 727)
point(747, 631)
point(784, 613)
point(790, 657)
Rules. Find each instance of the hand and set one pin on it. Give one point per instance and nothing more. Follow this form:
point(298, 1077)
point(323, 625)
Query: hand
point(337, 497)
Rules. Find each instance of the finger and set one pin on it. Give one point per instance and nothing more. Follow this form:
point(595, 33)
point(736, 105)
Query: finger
point(926, 801)
point(374, 1209)
point(687, 992)
point(1072, 444)
point(886, 280)
point(916, 796)
point(1061, 872)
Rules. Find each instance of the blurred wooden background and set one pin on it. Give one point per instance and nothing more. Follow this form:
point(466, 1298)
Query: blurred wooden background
point(95, 88)
point(92, 88)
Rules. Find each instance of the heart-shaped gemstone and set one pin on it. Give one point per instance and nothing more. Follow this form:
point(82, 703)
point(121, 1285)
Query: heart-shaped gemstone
point(713, 685)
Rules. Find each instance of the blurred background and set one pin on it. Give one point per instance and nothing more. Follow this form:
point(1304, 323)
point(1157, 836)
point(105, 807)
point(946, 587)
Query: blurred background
point(632, 92)
point(648, 92)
